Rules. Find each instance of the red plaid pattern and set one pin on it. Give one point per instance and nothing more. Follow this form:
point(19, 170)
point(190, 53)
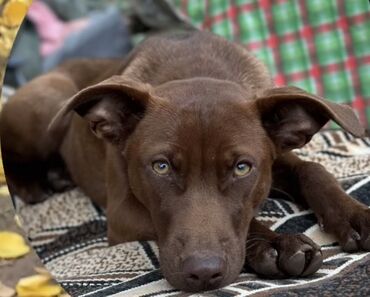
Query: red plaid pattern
point(321, 46)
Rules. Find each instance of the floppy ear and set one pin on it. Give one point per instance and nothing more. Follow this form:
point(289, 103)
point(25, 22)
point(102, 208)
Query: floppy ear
point(292, 116)
point(112, 108)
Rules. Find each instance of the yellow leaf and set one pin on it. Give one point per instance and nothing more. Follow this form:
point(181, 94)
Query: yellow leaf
point(12, 245)
point(18, 221)
point(42, 291)
point(42, 271)
point(37, 286)
point(33, 281)
point(2, 174)
point(6, 291)
point(4, 51)
point(14, 12)
point(3, 189)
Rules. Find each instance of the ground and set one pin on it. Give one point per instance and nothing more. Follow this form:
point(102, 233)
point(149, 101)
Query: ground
point(12, 270)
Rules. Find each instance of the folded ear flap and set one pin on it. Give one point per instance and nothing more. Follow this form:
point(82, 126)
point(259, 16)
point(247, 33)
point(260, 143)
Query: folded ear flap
point(112, 108)
point(292, 116)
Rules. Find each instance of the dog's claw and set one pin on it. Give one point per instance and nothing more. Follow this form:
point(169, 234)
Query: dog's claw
point(293, 266)
point(267, 264)
point(351, 244)
point(315, 264)
point(273, 253)
point(292, 255)
point(366, 244)
point(356, 234)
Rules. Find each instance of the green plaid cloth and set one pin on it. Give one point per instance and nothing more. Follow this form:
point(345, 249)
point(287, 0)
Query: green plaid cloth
point(322, 46)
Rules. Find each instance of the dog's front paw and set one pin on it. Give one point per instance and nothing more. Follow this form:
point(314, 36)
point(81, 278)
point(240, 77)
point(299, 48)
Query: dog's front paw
point(284, 256)
point(354, 233)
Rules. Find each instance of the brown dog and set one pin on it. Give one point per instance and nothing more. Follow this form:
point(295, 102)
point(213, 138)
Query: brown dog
point(181, 142)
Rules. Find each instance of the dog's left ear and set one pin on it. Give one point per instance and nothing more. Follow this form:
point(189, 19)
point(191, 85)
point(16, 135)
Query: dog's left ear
point(112, 108)
point(292, 116)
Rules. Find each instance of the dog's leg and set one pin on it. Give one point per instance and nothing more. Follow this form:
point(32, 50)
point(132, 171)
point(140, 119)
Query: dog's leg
point(27, 148)
point(27, 180)
point(281, 255)
point(58, 177)
point(337, 212)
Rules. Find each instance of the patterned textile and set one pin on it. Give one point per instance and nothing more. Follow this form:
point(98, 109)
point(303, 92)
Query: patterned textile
point(321, 46)
point(69, 234)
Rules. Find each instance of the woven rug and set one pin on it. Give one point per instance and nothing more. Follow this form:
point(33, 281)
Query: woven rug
point(69, 234)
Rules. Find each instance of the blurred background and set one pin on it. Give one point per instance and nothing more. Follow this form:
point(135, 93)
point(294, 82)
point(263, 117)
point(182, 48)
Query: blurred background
point(320, 46)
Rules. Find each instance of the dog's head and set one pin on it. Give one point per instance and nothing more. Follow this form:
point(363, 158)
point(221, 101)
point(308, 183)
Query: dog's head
point(199, 157)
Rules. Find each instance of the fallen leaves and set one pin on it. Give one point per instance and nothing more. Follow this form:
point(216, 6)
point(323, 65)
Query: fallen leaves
point(18, 220)
point(12, 245)
point(2, 174)
point(14, 12)
point(3, 187)
point(4, 192)
point(6, 291)
point(39, 285)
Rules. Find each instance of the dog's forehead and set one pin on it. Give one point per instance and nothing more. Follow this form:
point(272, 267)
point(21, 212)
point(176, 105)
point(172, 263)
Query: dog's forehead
point(201, 91)
point(201, 111)
point(205, 102)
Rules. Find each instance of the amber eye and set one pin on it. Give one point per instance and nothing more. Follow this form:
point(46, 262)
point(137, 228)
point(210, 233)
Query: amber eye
point(161, 167)
point(242, 168)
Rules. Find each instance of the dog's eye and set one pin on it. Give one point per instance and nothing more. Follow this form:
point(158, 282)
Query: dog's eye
point(242, 169)
point(161, 167)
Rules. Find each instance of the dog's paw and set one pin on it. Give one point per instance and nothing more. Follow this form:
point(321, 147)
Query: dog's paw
point(59, 180)
point(354, 234)
point(286, 255)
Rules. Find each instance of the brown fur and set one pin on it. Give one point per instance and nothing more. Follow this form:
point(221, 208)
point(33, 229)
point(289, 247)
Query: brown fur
point(202, 104)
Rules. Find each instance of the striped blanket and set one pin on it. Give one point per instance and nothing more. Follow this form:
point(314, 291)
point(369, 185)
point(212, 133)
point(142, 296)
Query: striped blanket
point(69, 234)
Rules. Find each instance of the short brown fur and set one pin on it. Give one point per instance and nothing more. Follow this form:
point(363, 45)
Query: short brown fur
point(203, 108)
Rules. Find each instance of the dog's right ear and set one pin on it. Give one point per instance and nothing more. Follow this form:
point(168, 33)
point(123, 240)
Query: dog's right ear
point(291, 116)
point(112, 108)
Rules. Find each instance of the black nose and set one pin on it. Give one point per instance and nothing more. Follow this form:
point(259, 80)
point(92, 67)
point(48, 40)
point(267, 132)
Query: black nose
point(204, 272)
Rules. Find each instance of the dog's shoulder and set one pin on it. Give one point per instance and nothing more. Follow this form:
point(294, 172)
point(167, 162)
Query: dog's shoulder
point(86, 71)
point(182, 55)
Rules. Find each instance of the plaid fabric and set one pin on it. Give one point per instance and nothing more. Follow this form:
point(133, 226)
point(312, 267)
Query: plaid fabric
point(320, 46)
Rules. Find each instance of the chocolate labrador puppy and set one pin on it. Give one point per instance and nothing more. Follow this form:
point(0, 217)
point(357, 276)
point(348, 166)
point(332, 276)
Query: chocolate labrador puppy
point(181, 143)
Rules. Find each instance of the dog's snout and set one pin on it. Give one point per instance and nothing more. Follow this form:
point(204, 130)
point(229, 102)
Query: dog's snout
point(204, 272)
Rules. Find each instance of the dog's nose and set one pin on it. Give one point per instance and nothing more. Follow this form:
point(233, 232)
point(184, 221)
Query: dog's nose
point(204, 272)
